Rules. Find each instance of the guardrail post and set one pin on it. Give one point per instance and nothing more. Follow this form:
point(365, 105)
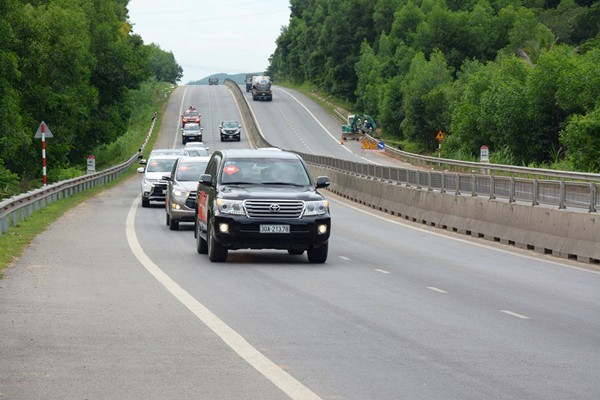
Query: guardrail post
point(457, 184)
point(492, 187)
point(473, 185)
point(429, 188)
point(443, 183)
point(511, 195)
point(418, 180)
point(536, 192)
point(562, 195)
point(593, 196)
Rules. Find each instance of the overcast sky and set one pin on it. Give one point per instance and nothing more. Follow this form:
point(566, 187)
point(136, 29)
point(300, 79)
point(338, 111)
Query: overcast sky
point(209, 36)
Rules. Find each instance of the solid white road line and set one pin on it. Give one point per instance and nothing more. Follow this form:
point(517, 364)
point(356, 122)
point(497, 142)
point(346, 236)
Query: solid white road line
point(514, 314)
point(344, 258)
point(176, 139)
point(383, 271)
point(323, 126)
point(436, 289)
point(284, 381)
point(389, 219)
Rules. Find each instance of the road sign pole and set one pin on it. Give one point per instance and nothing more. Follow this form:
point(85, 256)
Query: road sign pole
point(43, 126)
point(43, 132)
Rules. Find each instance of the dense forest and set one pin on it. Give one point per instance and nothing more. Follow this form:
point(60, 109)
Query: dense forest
point(72, 64)
point(521, 76)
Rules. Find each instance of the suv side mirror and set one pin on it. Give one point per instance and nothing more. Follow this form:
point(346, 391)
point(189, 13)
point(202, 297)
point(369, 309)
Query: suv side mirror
point(323, 182)
point(206, 179)
point(140, 170)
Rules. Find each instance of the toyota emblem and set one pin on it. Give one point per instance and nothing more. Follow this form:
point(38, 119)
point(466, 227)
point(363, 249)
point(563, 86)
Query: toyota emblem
point(274, 208)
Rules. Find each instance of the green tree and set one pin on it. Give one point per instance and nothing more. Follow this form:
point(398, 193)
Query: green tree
point(162, 64)
point(582, 139)
point(426, 98)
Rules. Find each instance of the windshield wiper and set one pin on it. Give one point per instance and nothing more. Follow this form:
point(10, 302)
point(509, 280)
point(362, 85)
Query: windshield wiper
point(283, 184)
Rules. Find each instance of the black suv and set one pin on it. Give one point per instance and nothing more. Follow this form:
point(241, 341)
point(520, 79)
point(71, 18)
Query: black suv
point(261, 199)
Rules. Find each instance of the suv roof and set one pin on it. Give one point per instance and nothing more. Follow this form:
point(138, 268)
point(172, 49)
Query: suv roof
point(257, 153)
point(164, 152)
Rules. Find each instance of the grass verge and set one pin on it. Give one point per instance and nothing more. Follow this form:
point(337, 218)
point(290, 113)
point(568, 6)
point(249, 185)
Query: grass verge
point(152, 97)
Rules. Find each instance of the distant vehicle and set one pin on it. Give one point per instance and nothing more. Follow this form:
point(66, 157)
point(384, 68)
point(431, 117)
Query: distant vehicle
point(249, 82)
point(230, 130)
point(176, 152)
point(213, 81)
point(191, 132)
point(180, 199)
point(190, 115)
point(196, 149)
point(261, 88)
point(261, 199)
point(153, 185)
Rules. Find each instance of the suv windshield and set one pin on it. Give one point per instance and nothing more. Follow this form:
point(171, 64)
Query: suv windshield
point(191, 127)
point(230, 125)
point(274, 171)
point(190, 171)
point(160, 164)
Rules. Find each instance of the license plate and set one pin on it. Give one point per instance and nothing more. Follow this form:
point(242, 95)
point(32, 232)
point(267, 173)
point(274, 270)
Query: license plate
point(274, 229)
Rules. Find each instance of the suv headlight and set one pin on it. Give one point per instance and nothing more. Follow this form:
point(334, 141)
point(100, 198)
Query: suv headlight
point(150, 181)
point(234, 207)
point(316, 207)
point(179, 192)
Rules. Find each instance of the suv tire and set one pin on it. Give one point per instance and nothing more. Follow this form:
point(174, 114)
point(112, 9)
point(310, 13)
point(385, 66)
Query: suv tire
point(318, 255)
point(145, 202)
point(173, 224)
point(201, 245)
point(216, 252)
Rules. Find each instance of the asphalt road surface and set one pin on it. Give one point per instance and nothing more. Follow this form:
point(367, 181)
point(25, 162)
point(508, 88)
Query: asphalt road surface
point(109, 303)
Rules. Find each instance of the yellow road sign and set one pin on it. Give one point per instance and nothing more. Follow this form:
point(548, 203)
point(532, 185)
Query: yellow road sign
point(440, 135)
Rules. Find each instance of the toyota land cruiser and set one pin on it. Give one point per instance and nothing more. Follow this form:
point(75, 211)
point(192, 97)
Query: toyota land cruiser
point(260, 199)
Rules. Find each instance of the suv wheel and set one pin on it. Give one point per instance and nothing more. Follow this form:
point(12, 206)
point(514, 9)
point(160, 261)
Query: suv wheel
point(168, 218)
point(216, 252)
point(173, 224)
point(145, 202)
point(318, 255)
point(201, 246)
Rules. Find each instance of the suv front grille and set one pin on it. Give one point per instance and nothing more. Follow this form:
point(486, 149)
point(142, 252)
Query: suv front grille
point(274, 208)
point(190, 202)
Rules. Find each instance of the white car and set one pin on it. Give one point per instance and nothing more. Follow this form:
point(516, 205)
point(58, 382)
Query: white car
point(154, 186)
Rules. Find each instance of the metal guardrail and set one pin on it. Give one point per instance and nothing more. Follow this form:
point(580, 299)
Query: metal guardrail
point(557, 193)
point(22, 206)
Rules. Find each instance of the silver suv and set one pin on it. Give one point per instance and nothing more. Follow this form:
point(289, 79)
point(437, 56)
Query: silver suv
point(181, 190)
point(154, 187)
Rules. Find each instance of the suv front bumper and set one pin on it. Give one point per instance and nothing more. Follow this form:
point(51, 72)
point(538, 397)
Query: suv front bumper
point(244, 233)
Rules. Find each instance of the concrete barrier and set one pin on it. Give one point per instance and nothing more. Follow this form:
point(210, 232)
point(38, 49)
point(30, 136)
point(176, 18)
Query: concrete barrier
point(563, 233)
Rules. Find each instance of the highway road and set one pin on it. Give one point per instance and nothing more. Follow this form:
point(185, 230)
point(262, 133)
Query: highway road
point(109, 303)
